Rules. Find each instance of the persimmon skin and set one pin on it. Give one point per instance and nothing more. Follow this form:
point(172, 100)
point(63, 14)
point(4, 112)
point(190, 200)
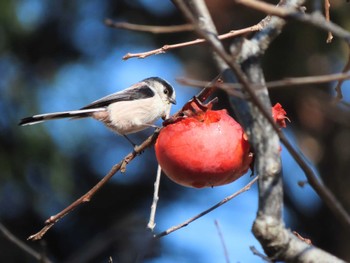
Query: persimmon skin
point(206, 150)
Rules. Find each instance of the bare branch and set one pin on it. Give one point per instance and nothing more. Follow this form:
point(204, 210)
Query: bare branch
point(234, 89)
point(327, 5)
point(148, 28)
point(262, 256)
point(163, 49)
point(308, 80)
point(340, 83)
point(306, 240)
point(222, 241)
point(247, 120)
point(316, 19)
point(87, 197)
point(287, 244)
point(151, 223)
point(224, 201)
point(268, 226)
point(11, 237)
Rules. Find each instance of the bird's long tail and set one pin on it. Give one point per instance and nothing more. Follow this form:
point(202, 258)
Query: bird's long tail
point(59, 115)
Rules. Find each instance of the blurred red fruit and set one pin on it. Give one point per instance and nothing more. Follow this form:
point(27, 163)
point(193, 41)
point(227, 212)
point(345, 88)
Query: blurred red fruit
point(279, 115)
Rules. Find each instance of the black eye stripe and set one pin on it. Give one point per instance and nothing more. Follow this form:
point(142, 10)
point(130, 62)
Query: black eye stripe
point(169, 89)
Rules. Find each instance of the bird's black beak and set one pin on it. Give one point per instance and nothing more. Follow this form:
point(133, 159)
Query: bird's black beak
point(172, 100)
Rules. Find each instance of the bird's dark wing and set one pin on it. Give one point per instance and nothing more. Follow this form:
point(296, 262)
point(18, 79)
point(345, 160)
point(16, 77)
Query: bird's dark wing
point(141, 91)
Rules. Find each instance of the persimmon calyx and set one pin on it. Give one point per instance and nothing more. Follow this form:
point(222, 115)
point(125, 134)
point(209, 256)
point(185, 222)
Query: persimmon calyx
point(193, 108)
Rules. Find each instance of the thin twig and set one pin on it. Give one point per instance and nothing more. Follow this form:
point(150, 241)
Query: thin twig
point(151, 223)
point(165, 48)
point(340, 83)
point(306, 240)
point(262, 256)
point(87, 197)
point(308, 80)
point(234, 89)
point(316, 19)
point(224, 201)
point(327, 5)
point(148, 28)
point(11, 237)
point(223, 243)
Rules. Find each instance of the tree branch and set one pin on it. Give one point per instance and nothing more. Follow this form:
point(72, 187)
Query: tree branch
point(151, 223)
point(316, 19)
point(121, 166)
point(147, 28)
point(235, 89)
point(268, 227)
point(165, 48)
point(11, 237)
point(245, 114)
point(221, 236)
point(340, 82)
point(224, 201)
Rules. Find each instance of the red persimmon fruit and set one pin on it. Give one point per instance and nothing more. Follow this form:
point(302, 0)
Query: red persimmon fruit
point(208, 148)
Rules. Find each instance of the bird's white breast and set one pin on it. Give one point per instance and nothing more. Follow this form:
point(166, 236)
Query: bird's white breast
point(132, 116)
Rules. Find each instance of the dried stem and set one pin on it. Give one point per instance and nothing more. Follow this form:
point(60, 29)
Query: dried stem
point(262, 256)
point(151, 223)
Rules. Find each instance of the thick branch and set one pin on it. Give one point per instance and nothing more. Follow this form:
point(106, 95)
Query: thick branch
point(283, 245)
point(263, 137)
point(245, 114)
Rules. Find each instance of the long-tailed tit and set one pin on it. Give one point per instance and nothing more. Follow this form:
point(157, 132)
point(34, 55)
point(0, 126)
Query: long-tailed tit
point(128, 111)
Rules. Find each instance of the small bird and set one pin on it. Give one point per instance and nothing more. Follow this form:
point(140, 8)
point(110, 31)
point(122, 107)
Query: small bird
point(128, 111)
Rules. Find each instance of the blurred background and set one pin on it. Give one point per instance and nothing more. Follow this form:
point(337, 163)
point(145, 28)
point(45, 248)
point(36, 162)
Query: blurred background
point(59, 55)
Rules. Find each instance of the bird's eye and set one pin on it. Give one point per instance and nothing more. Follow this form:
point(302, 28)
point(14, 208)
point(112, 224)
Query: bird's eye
point(165, 91)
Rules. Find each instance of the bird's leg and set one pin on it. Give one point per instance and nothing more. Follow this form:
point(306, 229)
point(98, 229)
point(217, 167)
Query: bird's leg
point(133, 144)
point(151, 126)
